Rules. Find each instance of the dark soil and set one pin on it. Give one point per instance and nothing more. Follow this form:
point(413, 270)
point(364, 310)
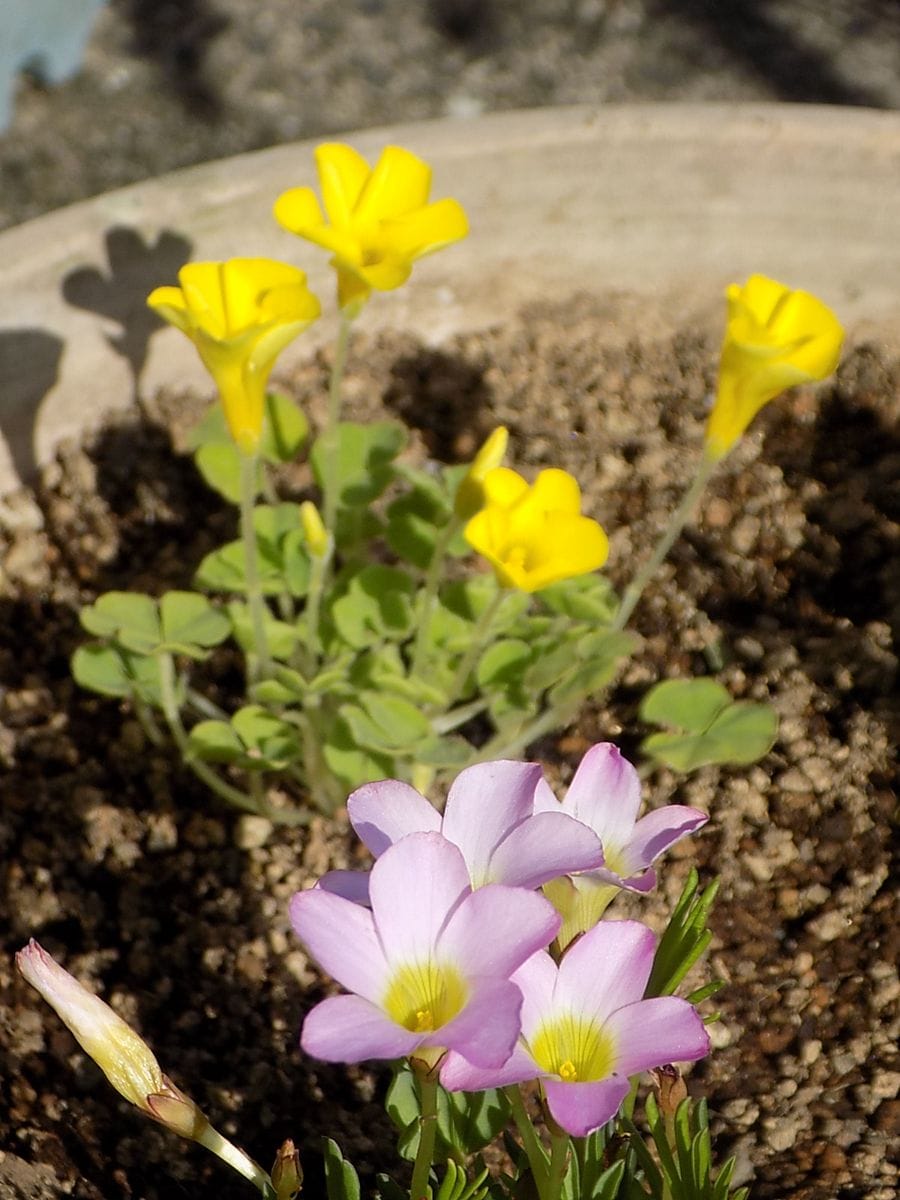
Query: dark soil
point(176, 908)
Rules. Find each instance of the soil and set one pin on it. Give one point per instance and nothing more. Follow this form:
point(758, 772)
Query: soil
point(175, 908)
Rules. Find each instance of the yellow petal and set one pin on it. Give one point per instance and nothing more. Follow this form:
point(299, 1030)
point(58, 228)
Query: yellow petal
point(557, 491)
point(504, 487)
point(168, 302)
point(343, 173)
point(570, 546)
point(470, 496)
point(298, 210)
point(426, 230)
point(399, 184)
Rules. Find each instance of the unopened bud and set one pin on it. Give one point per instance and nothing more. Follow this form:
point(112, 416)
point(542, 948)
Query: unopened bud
point(124, 1058)
point(670, 1088)
point(470, 493)
point(313, 530)
point(287, 1174)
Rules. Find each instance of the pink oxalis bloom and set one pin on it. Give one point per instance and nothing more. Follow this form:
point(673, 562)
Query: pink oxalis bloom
point(605, 794)
point(428, 966)
point(489, 815)
point(586, 1028)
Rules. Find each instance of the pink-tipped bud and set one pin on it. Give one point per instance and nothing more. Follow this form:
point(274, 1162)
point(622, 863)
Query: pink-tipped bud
point(287, 1173)
point(122, 1055)
point(124, 1058)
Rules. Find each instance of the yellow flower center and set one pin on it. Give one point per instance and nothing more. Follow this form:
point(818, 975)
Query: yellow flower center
point(574, 1049)
point(423, 997)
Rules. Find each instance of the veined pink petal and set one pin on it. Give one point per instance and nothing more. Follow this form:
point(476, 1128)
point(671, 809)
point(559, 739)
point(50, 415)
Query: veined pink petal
point(497, 928)
point(605, 969)
point(352, 885)
point(486, 1030)
point(536, 980)
point(485, 803)
point(350, 1029)
point(652, 1032)
point(414, 888)
point(582, 1107)
point(642, 882)
point(656, 832)
point(544, 847)
point(383, 812)
point(459, 1075)
point(605, 793)
point(341, 936)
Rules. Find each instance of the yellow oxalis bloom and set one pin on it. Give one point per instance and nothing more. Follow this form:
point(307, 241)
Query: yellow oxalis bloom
point(240, 315)
point(377, 220)
point(425, 996)
point(775, 338)
point(575, 1049)
point(535, 536)
point(470, 493)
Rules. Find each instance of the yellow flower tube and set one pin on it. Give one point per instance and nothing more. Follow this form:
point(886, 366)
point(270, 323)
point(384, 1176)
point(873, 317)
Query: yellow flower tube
point(240, 314)
point(377, 220)
point(534, 536)
point(470, 493)
point(775, 338)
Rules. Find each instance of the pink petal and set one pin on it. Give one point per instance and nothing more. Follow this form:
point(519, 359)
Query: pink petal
point(643, 881)
point(653, 1032)
point(496, 929)
point(536, 980)
point(544, 798)
point(581, 1108)
point(459, 1075)
point(544, 847)
point(414, 888)
point(657, 831)
point(605, 793)
point(607, 967)
point(485, 803)
point(352, 885)
point(487, 1029)
point(341, 937)
point(350, 1029)
point(382, 813)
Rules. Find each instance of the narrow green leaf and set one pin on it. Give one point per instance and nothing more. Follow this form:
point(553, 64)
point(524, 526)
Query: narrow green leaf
point(341, 1179)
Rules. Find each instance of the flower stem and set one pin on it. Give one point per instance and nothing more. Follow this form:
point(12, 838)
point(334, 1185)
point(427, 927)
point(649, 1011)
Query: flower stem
point(430, 592)
point(238, 1160)
point(531, 1143)
point(331, 434)
point(476, 644)
point(418, 1189)
point(262, 667)
point(559, 1164)
point(180, 737)
point(677, 522)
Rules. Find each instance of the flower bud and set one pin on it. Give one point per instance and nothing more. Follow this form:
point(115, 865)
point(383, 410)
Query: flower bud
point(287, 1173)
point(124, 1058)
point(313, 530)
point(670, 1088)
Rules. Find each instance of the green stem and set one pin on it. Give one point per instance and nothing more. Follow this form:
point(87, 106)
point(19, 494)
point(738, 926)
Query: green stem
point(285, 599)
point(430, 592)
point(238, 1160)
point(677, 522)
point(531, 1143)
point(318, 575)
point(503, 746)
point(427, 1131)
point(476, 644)
point(262, 667)
point(180, 737)
point(331, 434)
point(559, 1164)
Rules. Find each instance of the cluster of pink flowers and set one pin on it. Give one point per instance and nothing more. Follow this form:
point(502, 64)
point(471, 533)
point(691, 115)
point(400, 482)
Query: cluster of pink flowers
point(443, 946)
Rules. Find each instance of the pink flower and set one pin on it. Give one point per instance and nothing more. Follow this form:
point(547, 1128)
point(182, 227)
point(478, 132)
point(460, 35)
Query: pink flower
point(605, 794)
point(490, 815)
point(428, 967)
point(586, 1028)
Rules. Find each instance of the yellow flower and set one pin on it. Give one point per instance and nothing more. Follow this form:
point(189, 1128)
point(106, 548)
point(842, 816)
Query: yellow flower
point(240, 315)
point(377, 220)
point(535, 536)
point(775, 338)
point(470, 493)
